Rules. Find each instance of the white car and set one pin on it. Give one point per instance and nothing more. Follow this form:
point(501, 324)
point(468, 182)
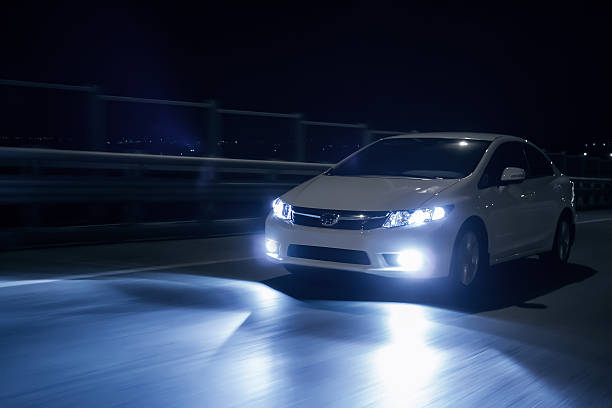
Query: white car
point(425, 206)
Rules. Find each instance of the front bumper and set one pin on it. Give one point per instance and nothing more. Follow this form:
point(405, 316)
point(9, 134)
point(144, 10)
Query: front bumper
point(434, 241)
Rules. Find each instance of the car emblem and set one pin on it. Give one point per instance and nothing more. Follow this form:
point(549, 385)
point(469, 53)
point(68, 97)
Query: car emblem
point(329, 219)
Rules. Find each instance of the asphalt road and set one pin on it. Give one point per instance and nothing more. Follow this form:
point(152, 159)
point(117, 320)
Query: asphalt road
point(208, 323)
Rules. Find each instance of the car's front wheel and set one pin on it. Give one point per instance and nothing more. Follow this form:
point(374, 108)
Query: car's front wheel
point(470, 260)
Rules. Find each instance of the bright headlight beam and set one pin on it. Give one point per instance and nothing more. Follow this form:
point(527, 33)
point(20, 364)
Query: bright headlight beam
point(281, 209)
point(411, 260)
point(438, 213)
point(415, 217)
point(419, 217)
point(272, 246)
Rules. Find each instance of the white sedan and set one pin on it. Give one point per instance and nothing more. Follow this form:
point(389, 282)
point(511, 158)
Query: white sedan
point(425, 206)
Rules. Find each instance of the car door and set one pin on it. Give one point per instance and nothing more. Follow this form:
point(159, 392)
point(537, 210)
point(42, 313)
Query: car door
point(541, 198)
point(503, 205)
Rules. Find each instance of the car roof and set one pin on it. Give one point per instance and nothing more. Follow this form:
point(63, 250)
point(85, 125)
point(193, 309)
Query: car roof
point(458, 135)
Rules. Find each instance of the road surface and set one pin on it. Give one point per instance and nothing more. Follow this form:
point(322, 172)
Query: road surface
point(209, 323)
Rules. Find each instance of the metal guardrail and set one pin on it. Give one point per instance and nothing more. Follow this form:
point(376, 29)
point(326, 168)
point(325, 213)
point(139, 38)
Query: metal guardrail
point(106, 197)
point(64, 158)
point(581, 165)
point(593, 192)
point(296, 136)
point(41, 187)
point(35, 178)
point(212, 139)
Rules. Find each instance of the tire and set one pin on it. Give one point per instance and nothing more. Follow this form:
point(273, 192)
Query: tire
point(562, 244)
point(470, 261)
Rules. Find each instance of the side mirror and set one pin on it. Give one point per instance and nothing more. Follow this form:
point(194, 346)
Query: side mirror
point(512, 175)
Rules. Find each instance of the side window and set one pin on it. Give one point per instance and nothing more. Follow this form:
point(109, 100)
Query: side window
point(539, 165)
point(506, 155)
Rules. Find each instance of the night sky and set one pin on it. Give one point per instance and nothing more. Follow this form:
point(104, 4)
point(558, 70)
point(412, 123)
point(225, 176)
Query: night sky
point(541, 72)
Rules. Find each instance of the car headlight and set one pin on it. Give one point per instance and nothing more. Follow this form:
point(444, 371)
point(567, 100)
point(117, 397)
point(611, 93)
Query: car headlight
point(416, 217)
point(282, 210)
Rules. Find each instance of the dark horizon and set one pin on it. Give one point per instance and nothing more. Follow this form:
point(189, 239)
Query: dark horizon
point(538, 72)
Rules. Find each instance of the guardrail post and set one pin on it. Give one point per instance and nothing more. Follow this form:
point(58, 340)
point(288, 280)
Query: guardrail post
point(300, 139)
point(97, 121)
point(213, 130)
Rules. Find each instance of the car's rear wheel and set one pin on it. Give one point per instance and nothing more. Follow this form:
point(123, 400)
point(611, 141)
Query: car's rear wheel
point(470, 260)
point(562, 243)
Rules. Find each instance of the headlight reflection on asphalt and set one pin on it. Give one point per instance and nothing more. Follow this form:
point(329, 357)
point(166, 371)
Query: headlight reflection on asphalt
point(266, 296)
point(406, 365)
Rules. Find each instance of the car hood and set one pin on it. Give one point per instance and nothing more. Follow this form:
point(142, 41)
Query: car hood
point(365, 193)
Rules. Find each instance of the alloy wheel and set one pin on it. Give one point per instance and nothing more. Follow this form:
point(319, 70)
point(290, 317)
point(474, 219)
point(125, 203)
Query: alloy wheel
point(563, 240)
point(468, 257)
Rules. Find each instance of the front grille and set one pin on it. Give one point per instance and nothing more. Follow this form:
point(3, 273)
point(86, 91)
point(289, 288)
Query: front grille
point(328, 254)
point(348, 220)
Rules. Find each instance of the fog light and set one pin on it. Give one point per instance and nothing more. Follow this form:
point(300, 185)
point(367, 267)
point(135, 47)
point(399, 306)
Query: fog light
point(272, 247)
point(411, 260)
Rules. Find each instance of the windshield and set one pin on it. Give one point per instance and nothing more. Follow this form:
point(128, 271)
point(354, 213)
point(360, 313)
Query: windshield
point(415, 157)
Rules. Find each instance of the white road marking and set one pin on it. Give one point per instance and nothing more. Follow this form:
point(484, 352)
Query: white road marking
point(120, 272)
point(596, 220)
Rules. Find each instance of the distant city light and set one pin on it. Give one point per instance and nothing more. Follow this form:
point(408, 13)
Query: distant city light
point(584, 154)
